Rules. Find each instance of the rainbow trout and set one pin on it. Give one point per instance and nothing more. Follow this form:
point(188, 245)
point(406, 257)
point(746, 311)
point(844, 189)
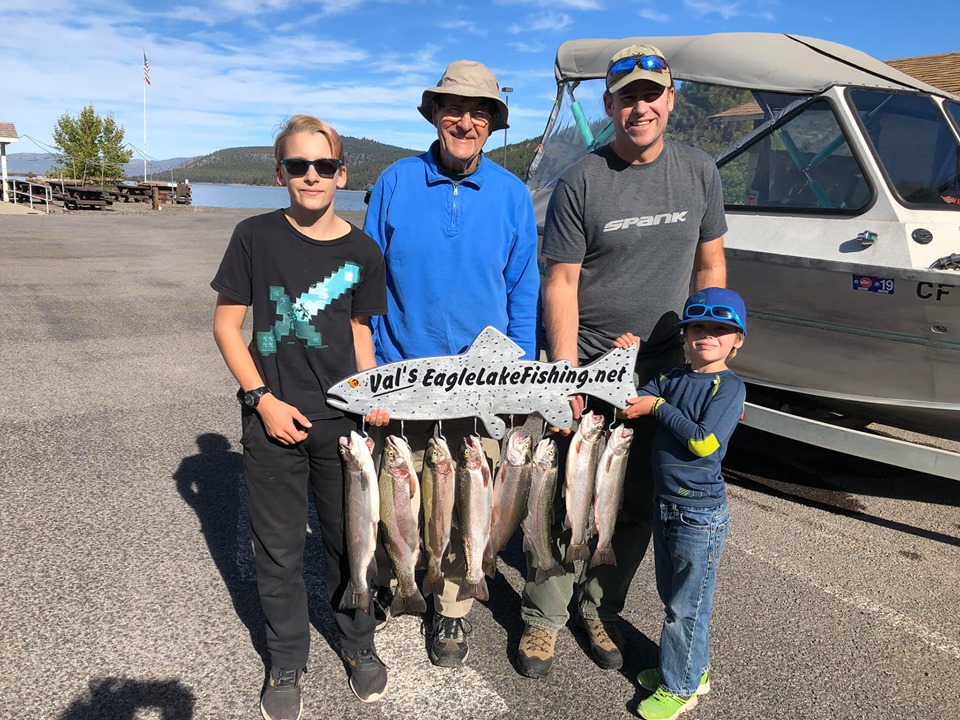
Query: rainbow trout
point(400, 521)
point(361, 497)
point(608, 493)
point(511, 488)
point(439, 480)
point(538, 524)
point(474, 506)
point(581, 472)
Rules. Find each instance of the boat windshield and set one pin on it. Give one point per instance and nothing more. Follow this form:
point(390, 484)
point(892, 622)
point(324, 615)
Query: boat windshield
point(708, 117)
point(914, 144)
point(803, 163)
point(953, 109)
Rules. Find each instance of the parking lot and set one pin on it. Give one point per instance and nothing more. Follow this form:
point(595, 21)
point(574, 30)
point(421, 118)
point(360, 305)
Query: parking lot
point(127, 574)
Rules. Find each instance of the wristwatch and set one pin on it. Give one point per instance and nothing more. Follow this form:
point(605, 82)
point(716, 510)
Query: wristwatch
point(252, 398)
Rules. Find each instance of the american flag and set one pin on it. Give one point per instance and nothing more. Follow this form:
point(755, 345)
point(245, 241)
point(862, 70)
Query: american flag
point(146, 69)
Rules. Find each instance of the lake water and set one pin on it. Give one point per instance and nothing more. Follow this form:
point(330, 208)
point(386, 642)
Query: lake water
point(247, 196)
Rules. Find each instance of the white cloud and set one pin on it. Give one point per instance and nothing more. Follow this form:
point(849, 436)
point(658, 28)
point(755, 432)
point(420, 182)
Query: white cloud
point(654, 16)
point(527, 47)
point(467, 26)
point(551, 22)
point(699, 9)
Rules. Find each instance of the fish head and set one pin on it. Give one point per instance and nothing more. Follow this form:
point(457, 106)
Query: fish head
point(471, 453)
point(354, 450)
point(438, 456)
point(518, 448)
point(398, 456)
point(545, 454)
point(620, 438)
point(591, 425)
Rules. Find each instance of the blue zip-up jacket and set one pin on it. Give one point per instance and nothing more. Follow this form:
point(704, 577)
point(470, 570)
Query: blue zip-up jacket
point(694, 425)
point(459, 256)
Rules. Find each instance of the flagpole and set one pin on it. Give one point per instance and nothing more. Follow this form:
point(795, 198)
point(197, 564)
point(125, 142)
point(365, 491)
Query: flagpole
point(144, 120)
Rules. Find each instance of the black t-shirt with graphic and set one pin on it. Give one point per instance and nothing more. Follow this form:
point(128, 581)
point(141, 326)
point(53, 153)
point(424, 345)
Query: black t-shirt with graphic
point(303, 293)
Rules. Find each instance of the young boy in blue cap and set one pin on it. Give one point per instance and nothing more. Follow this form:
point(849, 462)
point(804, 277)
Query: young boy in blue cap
point(697, 407)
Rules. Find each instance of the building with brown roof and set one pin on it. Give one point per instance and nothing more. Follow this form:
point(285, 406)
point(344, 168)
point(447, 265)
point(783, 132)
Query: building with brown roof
point(942, 71)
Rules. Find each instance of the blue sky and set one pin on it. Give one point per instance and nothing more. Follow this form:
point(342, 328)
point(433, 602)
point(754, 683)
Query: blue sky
point(226, 73)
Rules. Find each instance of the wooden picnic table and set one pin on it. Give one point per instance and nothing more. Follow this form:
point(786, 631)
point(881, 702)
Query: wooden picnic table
point(76, 197)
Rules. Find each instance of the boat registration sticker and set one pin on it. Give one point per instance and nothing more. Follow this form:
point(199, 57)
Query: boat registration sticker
point(868, 283)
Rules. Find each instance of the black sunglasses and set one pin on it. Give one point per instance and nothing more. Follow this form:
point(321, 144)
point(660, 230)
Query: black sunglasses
point(325, 167)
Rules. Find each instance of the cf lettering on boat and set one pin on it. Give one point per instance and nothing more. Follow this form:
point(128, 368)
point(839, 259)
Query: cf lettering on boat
point(928, 290)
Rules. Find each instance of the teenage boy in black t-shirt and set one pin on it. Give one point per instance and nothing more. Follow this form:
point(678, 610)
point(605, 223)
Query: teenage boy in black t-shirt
point(313, 280)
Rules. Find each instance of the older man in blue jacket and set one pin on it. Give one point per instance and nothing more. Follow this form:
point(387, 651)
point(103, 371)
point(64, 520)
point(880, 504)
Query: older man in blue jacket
point(460, 241)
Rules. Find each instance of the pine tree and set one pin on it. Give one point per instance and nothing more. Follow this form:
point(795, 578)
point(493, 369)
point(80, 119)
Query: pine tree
point(90, 146)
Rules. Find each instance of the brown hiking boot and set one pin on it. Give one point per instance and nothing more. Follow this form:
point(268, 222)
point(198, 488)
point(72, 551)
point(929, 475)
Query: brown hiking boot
point(535, 653)
point(605, 642)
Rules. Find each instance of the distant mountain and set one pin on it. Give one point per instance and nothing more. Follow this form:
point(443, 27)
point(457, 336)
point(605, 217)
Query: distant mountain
point(365, 160)
point(40, 163)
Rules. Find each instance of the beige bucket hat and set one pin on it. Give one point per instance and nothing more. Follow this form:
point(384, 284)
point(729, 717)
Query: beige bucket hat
point(467, 78)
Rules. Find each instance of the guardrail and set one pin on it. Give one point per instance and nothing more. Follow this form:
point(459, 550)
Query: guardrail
point(30, 193)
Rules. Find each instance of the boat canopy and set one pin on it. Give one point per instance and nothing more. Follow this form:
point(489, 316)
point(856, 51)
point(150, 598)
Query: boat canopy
point(755, 61)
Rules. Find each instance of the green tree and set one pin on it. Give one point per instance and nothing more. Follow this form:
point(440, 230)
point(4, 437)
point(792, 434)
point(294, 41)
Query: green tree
point(90, 146)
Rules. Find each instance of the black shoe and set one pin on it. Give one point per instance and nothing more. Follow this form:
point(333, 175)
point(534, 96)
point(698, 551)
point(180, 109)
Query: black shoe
point(368, 674)
point(381, 608)
point(448, 641)
point(281, 698)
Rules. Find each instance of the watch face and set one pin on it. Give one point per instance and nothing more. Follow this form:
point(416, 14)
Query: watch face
point(250, 400)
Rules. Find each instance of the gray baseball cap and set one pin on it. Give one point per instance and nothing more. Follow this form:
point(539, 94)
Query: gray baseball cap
point(470, 79)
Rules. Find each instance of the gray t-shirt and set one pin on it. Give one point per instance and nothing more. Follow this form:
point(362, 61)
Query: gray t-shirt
point(634, 229)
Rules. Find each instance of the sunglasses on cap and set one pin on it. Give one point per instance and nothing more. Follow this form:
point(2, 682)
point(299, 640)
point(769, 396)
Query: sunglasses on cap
point(624, 66)
point(718, 312)
point(325, 167)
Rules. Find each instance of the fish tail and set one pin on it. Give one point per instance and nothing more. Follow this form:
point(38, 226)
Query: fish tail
point(543, 573)
point(361, 601)
point(490, 566)
point(603, 556)
point(477, 590)
point(615, 359)
point(578, 552)
point(433, 582)
point(412, 603)
point(489, 563)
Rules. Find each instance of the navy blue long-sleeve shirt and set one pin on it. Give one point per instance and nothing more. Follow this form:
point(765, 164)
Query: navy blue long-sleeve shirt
point(695, 422)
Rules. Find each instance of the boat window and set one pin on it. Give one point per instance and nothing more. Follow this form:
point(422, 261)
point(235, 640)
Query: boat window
point(708, 117)
point(911, 139)
point(804, 163)
point(953, 109)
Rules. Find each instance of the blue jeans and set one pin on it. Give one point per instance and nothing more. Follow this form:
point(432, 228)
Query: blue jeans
point(687, 545)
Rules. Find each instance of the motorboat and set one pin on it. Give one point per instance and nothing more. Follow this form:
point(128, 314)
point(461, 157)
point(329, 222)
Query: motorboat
point(841, 180)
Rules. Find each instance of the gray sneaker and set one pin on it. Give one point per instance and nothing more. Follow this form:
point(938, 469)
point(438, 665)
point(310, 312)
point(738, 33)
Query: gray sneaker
point(368, 674)
point(448, 641)
point(281, 699)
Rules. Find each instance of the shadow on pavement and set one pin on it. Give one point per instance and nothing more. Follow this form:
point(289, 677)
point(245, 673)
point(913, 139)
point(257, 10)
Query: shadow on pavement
point(830, 481)
point(211, 483)
point(113, 698)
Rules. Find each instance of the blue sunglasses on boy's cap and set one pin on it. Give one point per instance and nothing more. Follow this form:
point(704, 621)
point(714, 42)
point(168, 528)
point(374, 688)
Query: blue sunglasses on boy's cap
point(715, 305)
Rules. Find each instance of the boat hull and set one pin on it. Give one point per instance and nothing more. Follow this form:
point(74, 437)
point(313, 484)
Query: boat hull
point(890, 357)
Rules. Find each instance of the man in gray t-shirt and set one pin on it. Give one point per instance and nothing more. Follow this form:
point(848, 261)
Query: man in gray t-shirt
point(630, 228)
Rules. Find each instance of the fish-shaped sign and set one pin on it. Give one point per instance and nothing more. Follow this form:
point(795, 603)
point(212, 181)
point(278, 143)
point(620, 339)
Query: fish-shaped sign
point(487, 380)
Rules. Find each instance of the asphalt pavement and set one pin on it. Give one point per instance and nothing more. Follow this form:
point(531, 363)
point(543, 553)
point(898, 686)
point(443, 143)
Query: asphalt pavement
point(127, 573)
